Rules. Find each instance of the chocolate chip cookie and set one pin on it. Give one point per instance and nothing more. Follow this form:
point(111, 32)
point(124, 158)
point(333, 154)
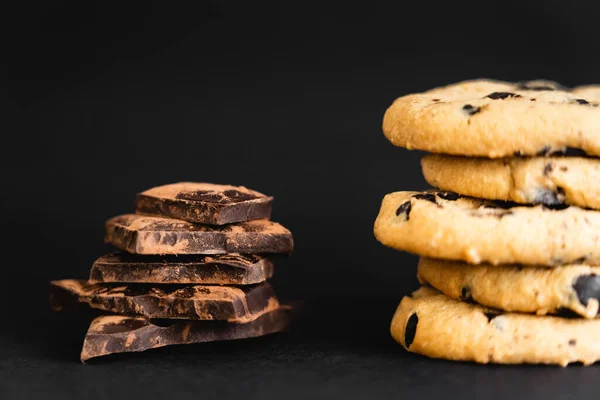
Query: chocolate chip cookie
point(539, 290)
point(449, 226)
point(497, 119)
point(532, 180)
point(436, 326)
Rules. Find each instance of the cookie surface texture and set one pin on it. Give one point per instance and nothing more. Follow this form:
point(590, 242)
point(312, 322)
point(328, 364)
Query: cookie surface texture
point(448, 226)
point(436, 326)
point(534, 180)
point(539, 290)
point(497, 119)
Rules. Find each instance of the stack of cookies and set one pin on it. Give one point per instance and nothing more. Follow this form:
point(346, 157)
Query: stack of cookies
point(510, 241)
point(193, 267)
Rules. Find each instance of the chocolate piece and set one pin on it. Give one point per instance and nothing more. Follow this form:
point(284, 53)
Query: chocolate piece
point(502, 95)
point(587, 287)
point(224, 269)
point(153, 235)
point(426, 196)
point(581, 101)
point(112, 334)
point(411, 329)
point(490, 315)
point(549, 197)
point(470, 109)
point(450, 196)
point(205, 203)
point(224, 303)
point(404, 210)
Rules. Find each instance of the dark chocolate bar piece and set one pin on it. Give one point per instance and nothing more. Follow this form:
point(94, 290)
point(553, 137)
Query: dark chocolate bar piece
point(141, 234)
point(111, 334)
point(223, 303)
point(221, 269)
point(204, 203)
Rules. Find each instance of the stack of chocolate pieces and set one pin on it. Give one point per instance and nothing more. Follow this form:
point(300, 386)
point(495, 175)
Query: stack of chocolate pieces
point(193, 267)
point(510, 239)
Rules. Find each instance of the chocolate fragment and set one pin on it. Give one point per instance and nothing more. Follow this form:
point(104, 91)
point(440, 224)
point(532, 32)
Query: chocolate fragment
point(470, 109)
point(224, 303)
point(404, 210)
point(587, 287)
point(426, 196)
point(224, 269)
point(153, 235)
point(502, 95)
point(112, 334)
point(450, 196)
point(490, 315)
point(548, 197)
point(205, 203)
point(581, 101)
point(411, 329)
point(465, 295)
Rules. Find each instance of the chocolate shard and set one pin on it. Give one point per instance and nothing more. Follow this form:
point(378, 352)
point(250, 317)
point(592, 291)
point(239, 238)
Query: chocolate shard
point(141, 234)
point(205, 203)
point(223, 303)
point(112, 334)
point(222, 269)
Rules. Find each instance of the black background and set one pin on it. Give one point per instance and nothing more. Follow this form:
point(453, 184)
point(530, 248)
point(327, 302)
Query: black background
point(106, 100)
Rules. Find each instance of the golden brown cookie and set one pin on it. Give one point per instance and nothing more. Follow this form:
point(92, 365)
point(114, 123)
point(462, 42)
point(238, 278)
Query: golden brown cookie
point(497, 119)
point(517, 288)
point(532, 180)
point(436, 326)
point(448, 226)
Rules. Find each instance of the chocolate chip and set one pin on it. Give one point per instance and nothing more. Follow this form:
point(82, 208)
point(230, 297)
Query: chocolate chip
point(450, 196)
point(569, 152)
point(465, 294)
point(490, 315)
point(502, 95)
point(557, 206)
point(435, 100)
point(567, 314)
point(581, 101)
point(411, 330)
point(572, 342)
point(532, 99)
point(404, 209)
point(564, 169)
point(506, 205)
point(426, 196)
point(548, 168)
point(471, 110)
point(550, 198)
point(587, 287)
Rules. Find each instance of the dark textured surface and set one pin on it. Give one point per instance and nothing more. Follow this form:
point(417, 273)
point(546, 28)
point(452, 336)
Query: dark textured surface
point(204, 204)
point(113, 334)
point(225, 269)
point(140, 234)
point(283, 97)
point(195, 302)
